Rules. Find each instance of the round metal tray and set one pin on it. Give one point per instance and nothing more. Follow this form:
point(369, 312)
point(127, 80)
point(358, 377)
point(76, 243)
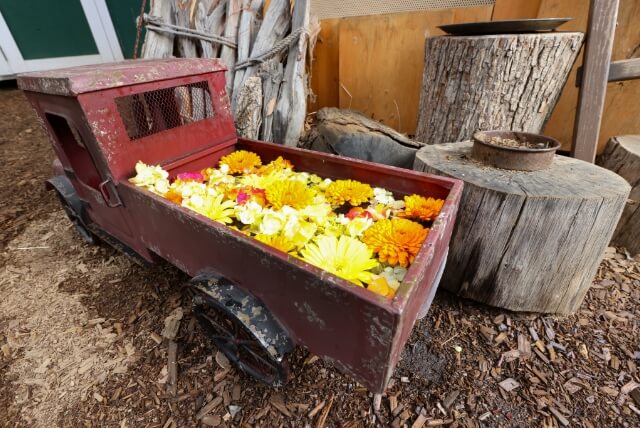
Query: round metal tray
point(504, 27)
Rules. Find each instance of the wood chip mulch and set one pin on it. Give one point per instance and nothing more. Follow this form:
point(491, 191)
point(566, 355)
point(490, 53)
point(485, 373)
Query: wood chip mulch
point(108, 343)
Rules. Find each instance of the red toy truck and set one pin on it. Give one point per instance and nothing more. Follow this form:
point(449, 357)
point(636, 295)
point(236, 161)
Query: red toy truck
point(255, 302)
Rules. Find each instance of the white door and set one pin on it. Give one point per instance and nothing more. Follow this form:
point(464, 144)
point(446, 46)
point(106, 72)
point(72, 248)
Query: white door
point(62, 34)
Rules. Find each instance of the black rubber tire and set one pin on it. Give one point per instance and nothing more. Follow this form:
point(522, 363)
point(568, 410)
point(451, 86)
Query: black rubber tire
point(237, 342)
point(75, 218)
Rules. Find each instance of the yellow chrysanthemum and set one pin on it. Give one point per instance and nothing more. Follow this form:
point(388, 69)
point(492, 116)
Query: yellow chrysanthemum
point(417, 206)
point(396, 240)
point(241, 161)
point(289, 192)
point(278, 241)
point(344, 257)
point(276, 165)
point(214, 208)
point(354, 192)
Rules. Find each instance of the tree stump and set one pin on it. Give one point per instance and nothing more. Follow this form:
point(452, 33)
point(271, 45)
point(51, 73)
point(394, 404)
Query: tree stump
point(622, 156)
point(527, 241)
point(503, 82)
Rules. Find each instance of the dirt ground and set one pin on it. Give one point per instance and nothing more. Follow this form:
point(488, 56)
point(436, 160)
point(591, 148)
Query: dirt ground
point(80, 345)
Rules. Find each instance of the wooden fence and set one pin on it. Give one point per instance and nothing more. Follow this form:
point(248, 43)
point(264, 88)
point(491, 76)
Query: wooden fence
point(374, 63)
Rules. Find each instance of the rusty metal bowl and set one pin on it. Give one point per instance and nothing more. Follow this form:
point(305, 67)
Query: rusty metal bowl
point(521, 151)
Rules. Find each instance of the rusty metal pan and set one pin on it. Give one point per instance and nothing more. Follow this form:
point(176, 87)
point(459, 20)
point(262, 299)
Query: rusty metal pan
point(529, 152)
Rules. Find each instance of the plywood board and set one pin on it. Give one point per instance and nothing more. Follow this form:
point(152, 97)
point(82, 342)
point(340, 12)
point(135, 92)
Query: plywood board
point(381, 60)
point(515, 9)
point(324, 68)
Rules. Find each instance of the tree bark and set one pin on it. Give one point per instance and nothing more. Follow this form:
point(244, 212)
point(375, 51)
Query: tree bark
point(527, 241)
point(349, 133)
point(249, 108)
point(274, 26)
point(212, 23)
point(622, 156)
point(182, 16)
point(507, 82)
point(288, 119)
point(227, 54)
point(159, 45)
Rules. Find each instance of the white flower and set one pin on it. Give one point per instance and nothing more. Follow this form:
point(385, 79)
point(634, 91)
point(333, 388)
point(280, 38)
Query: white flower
point(249, 213)
point(325, 183)
point(358, 225)
point(382, 196)
point(272, 222)
point(317, 213)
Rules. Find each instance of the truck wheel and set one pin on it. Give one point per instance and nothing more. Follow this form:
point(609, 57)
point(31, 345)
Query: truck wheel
point(242, 329)
point(86, 235)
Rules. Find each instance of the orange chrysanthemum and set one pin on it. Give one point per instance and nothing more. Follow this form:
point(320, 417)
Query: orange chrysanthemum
point(354, 192)
point(396, 240)
point(289, 192)
point(417, 206)
point(241, 161)
point(275, 165)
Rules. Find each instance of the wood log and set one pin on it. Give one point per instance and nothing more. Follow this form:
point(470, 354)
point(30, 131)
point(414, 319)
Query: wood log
point(271, 72)
point(182, 17)
point(159, 45)
point(507, 81)
point(249, 108)
point(227, 54)
point(622, 156)
point(212, 23)
point(275, 25)
point(527, 241)
point(249, 9)
point(349, 133)
point(288, 119)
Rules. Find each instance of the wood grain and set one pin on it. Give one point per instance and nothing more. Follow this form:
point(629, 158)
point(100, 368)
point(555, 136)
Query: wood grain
point(381, 60)
point(527, 241)
point(159, 45)
point(508, 81)
point(622, 156)
point(515, 9)
point(591, 98)
point(324, 67)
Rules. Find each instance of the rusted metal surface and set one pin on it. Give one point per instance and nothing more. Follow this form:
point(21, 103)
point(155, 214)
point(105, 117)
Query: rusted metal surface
point(361, 332)
point(533, 152)
point(90, 78)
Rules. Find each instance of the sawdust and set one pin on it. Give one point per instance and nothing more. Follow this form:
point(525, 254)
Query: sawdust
point(64, 353)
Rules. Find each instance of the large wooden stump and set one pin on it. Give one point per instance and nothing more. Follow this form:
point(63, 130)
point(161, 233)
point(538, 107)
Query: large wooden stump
point(622, 156)
point(527, 241)
point(507, 82)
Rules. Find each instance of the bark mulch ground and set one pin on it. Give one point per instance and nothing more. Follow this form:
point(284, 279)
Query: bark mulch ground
point(81, 345)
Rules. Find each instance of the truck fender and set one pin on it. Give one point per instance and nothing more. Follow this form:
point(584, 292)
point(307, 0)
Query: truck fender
point(246, 308)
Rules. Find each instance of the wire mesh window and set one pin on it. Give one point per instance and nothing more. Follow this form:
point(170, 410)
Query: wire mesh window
point(150, 112)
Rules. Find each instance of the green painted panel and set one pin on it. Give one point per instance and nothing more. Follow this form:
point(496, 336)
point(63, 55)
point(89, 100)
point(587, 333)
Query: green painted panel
point(123, 15)
point(48, 29)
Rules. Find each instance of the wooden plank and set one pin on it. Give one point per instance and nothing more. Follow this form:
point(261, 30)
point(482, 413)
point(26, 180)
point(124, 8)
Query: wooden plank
point(627, 69)
point(619, 71)
point(324, 68)
point(381, 60)
point(591, 99)
point(515, 9)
